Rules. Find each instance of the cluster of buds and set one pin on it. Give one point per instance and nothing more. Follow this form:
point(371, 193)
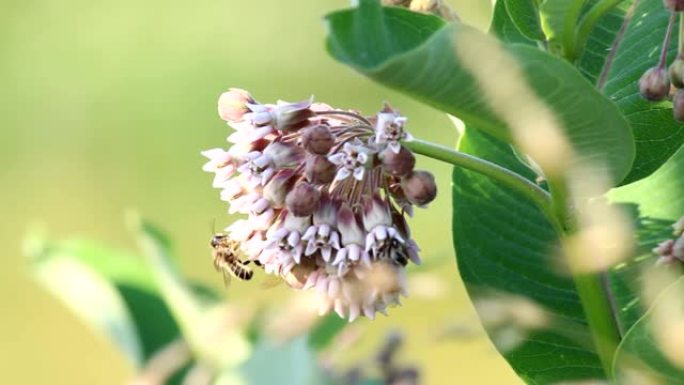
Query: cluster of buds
point(671, 251)
point(655, 84)
point(325, 192)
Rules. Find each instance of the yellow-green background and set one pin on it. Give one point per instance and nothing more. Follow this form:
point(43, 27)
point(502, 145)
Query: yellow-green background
point(105, 106)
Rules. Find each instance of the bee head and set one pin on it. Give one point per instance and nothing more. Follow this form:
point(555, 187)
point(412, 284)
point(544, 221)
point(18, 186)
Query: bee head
point(217, 239)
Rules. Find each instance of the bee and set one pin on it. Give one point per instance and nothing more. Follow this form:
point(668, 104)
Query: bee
point(227, 260)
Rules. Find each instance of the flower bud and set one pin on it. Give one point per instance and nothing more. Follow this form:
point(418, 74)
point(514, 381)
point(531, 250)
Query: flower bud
point(277, 188)
point(678, 106)
point(303, 200)
point(318, 139)
point(232, 105)
point(397, 164)
point(654, 84)
point(292, 116)
point(676, 72)
point(419, 187)
point(319, 170)
point(674, 5)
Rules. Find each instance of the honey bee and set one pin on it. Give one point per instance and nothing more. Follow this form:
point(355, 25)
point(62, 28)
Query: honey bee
point(227, 260)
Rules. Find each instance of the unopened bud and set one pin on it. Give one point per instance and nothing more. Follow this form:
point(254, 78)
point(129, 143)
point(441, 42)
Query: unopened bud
point(319, 170)
point(303, 200)
point(276, 189)
point(293, 116)
point(397, 164)
point(674, 5)
point(654, 84)
point(678, 106)
point(419, 187)
point(232, 105)
point(318, 139)
point(676, 72)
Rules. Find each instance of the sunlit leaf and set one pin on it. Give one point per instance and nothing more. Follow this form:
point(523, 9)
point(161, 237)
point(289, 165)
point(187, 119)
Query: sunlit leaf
point(657, 135)
point(93, 299)
point(654, 346)
point(509, 259)
point(407, 52)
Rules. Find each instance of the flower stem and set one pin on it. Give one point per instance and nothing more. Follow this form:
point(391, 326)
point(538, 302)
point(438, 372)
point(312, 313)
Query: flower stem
point(592, 290)
point(517, 182)
point(589, 20)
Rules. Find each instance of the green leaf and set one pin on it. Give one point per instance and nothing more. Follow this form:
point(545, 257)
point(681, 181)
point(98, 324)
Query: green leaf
point(507, 253)
point(558, 20)
point(127, 275)
point(405, 51)
point(196, 312)
point(504, 28)
point(657, 135)
point(593, 56)
point(658, 202)
point(94, 300)
point(271, 363)
point(525, 15)
point(325, 330)
point(642, 349)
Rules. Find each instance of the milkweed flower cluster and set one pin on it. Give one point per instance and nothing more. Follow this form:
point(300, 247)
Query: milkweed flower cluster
point(325, 192)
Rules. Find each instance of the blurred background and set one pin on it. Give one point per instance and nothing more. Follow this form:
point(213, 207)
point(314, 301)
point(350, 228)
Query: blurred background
point(105, 107)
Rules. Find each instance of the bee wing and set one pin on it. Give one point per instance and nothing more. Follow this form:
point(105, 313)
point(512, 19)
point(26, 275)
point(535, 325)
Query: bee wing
point(226, 277)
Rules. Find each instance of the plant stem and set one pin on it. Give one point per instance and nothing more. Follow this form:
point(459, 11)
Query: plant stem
point(592, 288)
point(569, 25)
point(589, 20)
point(503, 175)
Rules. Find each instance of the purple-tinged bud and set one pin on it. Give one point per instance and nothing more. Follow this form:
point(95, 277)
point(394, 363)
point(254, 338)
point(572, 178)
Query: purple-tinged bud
point(303, 200)
point(319, 170)
point(292, 116)
point(678, 249)
point(348, 226)
point(277, 188)
point(654, 84)
point(674, 5)
point(419, 187)
point(676, 72)
point(232, 105)
point(678, 106)
point(397, 164)
point(375, 213)
point(318, 139)
point(282, 154)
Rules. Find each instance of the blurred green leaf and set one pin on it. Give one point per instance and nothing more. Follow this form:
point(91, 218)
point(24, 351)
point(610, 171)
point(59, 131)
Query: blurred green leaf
point(325, 330)
point(657, 135)
point(93, 299)
point(202, 320)
point(271, 363)
point(641, 350)
point(508, 257)
point(404, 51)
point(130, 278)
point(525, 16)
